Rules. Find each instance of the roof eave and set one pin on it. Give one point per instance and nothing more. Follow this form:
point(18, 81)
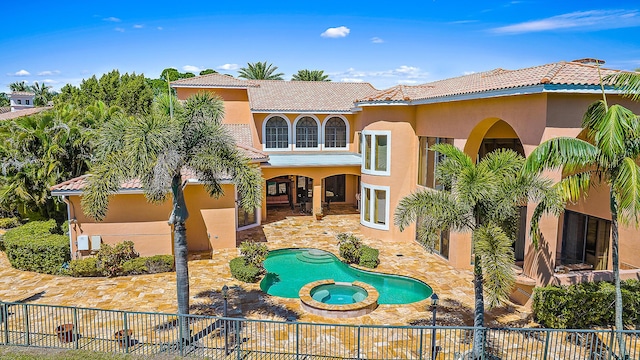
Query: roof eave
point(280, 111)
point(210, 86)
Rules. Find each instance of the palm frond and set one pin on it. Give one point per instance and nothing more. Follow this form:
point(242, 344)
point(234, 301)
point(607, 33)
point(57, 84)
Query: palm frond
point(105, 180)
point(627, 188)
point(503, 162)
point(493, 247)
point(437, 209)
point(610, 128)
point(571, 154)
point(628, 82)
point(572, 187)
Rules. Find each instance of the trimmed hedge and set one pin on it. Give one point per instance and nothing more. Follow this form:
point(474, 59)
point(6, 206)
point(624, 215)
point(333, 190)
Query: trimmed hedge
point(369, 257)
point(585, 305)
point(148, 265)
point(37, 246)
point(112, 258)
point(244, 271)
point(87, 267)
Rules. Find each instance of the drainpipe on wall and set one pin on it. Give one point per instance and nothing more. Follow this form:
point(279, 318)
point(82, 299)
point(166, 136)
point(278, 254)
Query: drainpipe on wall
point(66, 201)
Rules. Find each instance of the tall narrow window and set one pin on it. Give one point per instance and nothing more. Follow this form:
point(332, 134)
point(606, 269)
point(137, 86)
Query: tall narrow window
point(306, 133)
point(244, 217)
point(335, 133)
point(375, 206)
point(277, 133)
point(377, 154)
point(585, 240)
point(428, 160)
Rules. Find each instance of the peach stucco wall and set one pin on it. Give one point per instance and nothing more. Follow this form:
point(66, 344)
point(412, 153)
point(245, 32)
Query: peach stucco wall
point(131, 217)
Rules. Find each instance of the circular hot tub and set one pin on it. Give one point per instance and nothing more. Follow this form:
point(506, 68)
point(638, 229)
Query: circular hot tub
point(338, 299)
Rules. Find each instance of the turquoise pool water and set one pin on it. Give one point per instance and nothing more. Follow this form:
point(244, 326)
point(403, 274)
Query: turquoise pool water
point(288, 270)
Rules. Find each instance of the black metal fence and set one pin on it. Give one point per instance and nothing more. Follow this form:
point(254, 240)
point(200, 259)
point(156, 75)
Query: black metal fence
point(234, 338)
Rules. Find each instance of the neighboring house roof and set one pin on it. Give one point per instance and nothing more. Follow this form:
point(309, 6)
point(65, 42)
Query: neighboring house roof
point(287, 96)
point(19, 113)
point(306, 96)
point(5, 109)
point(213, 80)
point(22, 93)
point(561, 74)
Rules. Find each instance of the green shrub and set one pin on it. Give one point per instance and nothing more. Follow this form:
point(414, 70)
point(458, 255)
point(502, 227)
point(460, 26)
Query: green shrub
point(586, 304)
point(37, 246)
point(369, 257)
point(9, 223)
point(148, 265)
point(244, 271)
point(349, 247)
point(84, 267)
point(254, 253)
point(111, 258)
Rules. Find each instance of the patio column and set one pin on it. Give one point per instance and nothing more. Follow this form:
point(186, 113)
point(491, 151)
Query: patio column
point(317, 196)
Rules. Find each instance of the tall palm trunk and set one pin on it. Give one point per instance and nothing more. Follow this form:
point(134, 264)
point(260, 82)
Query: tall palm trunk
point(178, 218)
point(616, 272)
point(478, 318)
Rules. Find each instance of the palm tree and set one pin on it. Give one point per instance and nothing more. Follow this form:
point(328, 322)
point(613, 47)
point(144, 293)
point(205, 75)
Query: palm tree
point(260, 71)
point(157, 149)
point(42, 94)
point(482, 198)
point(310, 75)
point(609, 154)
point(19, 86)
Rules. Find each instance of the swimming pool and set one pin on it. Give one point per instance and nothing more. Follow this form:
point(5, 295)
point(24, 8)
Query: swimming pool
point(288, 270)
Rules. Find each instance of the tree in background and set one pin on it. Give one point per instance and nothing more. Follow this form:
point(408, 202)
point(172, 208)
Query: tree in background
point(260, 71)
point(310, 75)
point(19, 86)
point(207, 72)
point(157, 149)
point(42, 94)
point(4, 99)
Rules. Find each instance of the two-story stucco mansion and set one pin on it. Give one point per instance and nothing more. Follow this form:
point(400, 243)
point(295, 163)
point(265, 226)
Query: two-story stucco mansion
point(319, 142)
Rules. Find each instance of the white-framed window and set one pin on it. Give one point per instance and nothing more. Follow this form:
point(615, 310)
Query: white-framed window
point(375, 206)
point(276, 132)
point(376, 152)
point(306, 132)
point(336, 130)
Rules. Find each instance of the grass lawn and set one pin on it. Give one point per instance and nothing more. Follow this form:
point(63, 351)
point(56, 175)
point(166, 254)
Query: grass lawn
point(32, 353)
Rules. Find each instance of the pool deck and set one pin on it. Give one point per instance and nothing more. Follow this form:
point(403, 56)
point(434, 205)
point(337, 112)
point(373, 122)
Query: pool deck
point(156, 292)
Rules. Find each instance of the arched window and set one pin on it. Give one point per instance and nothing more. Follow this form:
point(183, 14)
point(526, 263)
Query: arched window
point(276, 133)
point(306, 133)
point(335, 133)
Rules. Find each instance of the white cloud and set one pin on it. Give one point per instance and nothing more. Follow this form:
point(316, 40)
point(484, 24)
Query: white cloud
point(401, 75)
point(50, 81)
point(579, 20)
point(191, 68)
point(159, 28)
point(376, 40)
point(119, 29)
point(48, 73)
point(22, 72)
point(336, 32)
point(138, 26)
point(468, 72)
point(228, 67)
point(112, 19)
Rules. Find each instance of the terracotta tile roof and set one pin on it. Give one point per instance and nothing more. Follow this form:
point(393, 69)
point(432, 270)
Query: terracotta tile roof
point(560, 73)
point(26, 112)
point(316, 96)
point(5, 109)
point(213, 80)
point(25, 93)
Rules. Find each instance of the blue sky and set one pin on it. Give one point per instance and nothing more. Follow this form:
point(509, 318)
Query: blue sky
point(384, 43)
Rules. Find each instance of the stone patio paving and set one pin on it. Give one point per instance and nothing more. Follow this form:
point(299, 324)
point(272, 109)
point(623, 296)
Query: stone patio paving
point(286, 228)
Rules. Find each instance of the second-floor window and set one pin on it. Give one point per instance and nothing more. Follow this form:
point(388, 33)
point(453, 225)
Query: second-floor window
point(376, 150)
point(428, 160)
point(306, 133)
point(276, 133)
point(335, 133)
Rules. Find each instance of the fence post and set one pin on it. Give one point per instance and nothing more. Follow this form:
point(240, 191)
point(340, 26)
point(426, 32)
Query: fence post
point(358, 354)
point(297, 340)
point(74, 331)
point(611, 342)
point(25, 313)
point(180, 338)
point(238, 338)
point(546, 345)
point(126, 336)
point(420, 346)
point(5, 319)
